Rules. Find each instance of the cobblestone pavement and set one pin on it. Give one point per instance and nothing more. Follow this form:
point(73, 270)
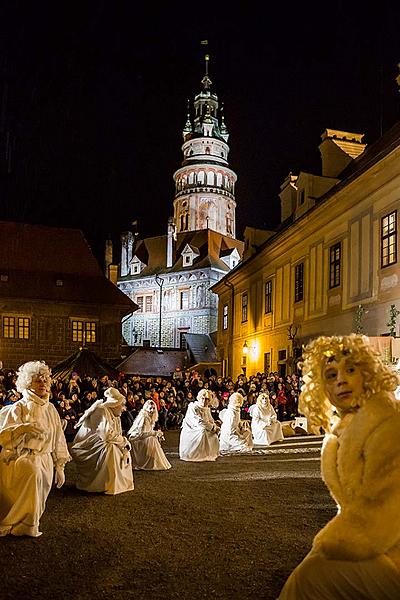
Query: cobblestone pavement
point(233, 529)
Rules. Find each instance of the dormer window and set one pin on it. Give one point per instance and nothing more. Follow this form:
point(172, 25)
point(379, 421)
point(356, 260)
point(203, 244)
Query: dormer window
point(231, 257)
point(189, 254)
point(136, 266)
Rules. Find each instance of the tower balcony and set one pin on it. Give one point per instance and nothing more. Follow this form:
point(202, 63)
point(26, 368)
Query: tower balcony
point(204, 189)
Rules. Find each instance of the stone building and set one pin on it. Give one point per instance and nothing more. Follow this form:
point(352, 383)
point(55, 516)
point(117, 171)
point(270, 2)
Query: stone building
point(54, 297)
point(332, 267)
point(169, 276)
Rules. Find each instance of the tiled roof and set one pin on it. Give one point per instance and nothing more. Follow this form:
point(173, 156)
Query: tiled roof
point(150, 362)
point(52, 263)
point(210, 245)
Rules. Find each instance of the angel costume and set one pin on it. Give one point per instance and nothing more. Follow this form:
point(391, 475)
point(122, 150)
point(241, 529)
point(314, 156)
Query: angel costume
point(100, 451)
point(265, 427)
point(199, 435)
point(147, 453)
point(27, 461)
point(357, 554)
point(235, 435)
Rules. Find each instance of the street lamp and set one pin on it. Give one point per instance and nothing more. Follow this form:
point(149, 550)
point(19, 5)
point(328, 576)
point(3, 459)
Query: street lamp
point(160, 283)
point(245, 348)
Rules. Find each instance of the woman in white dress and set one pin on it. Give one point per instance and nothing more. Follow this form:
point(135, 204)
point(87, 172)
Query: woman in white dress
point(235, 434)
point(199, 434)
point(349, 392)
point(147, 453)
point(265, 427)
point(34, 450)
point(100, 451)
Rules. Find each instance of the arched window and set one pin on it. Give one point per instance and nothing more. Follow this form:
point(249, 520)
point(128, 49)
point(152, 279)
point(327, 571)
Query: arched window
point(210, 178)
point(200, 178)
point(219, 180)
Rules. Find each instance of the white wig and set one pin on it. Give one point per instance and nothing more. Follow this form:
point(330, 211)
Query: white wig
point(261, 397)
point(113, 397)
point(29, 371)
point(145, 408)
point(235, 400)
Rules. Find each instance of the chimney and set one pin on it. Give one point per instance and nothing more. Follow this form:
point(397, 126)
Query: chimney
point(171, 237)
point(108, 256)
point(288, 196)
point(338, 149)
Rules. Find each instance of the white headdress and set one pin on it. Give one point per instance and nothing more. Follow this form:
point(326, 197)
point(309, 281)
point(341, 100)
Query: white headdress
point(113, 397)
point(236, 400)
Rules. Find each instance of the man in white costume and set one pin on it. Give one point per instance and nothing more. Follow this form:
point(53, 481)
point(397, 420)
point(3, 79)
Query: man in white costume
point(349, 392)
point(147, 453)
point(199, 435)
point(265, 427)
point(34, 450)
point(235, 434)
point(100, 451)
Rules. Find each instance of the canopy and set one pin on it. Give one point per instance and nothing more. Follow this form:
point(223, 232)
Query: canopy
point(84, 362)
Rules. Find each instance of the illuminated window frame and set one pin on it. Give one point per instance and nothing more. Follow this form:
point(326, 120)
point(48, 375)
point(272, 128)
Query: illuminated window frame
point(84, 331)
point(299, 282)
point(15, 327)
point(335, 257)
point(245, 304)
point(389, 239)
point(268, 296)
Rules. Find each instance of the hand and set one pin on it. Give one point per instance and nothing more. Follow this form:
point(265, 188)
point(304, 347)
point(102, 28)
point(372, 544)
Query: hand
point(59, 477)
point(32, 428)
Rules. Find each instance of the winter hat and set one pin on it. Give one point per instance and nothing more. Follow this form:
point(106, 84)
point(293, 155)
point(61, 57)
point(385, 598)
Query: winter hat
point(113, 397)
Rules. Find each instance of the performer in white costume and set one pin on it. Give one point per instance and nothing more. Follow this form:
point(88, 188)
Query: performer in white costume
point(235, 434)
point(147, 453)
point(33, 449)
point(199, 435)
point(349, 392)
point(100, 451)
point(265, 427)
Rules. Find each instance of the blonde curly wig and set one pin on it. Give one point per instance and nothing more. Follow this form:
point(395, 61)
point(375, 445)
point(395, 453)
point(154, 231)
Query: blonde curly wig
point(313, 401)
point(29, 371)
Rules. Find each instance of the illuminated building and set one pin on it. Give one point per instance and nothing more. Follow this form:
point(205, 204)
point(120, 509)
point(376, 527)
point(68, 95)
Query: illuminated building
point(332, 266)
point(169, 276)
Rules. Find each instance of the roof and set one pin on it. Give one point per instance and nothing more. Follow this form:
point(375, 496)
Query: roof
point(210, 244)
point(201, 347)
point(86, 363)
point(53, 263)
point(150, 362)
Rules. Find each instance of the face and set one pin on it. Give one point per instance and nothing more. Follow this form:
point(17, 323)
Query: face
point(344, 383)
point(151, 407)
point(264, 401)
point(40, 384)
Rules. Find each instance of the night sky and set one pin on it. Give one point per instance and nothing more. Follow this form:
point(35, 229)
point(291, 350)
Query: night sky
point(94, 96)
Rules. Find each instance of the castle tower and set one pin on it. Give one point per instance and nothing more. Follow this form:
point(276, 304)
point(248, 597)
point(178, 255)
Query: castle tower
point(204, 184)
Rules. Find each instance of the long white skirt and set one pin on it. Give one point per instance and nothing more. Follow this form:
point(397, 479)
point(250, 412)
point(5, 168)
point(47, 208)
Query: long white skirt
point(198, 445)
point(25, 484)
point(317, 578)
point(148, 455)
point(101, 466)
point(264, 436)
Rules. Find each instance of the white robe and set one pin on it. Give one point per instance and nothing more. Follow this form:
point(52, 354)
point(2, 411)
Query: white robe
point(147, 453)
point(27, 462)
point(357, 554)
point(265, 427)
point(198, 440)
point(101, 453)
point(235, 436)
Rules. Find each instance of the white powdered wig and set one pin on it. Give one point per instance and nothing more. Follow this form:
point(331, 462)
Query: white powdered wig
point(29, 371)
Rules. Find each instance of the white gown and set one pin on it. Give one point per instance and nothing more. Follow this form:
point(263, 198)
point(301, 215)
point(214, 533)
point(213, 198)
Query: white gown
point(198, 440)
point(147, 453)
point(265, 427)
point(27, 463)
point(101, 453)
point(234, 436)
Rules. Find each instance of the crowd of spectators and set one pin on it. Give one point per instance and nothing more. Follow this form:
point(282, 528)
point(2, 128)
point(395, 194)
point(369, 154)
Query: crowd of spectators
point(171, 395)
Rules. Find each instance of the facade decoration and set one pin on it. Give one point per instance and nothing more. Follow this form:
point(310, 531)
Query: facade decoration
point(169, 276)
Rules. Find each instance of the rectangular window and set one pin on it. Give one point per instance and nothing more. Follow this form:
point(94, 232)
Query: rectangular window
point(139, 302)
point(84, 331)
point(17, 328)
point(268, 296)
point(225, 317)
point(23, 328)
point(184, 300)
point(281, 355)
point(334, 265)
point(244, 307)
point(149, 304)
point(298, 282)
point(389, 239)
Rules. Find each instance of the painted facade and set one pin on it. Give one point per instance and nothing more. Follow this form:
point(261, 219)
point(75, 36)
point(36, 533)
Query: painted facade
point(332, 267)
point(170, 276)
